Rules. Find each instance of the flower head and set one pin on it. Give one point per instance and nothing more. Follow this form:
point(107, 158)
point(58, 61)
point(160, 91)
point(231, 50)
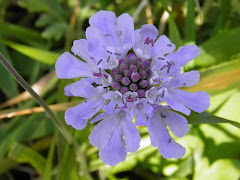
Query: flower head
point(127, 84)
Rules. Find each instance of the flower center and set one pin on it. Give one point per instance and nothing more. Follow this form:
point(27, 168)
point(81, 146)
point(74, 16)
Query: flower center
point(132, 74)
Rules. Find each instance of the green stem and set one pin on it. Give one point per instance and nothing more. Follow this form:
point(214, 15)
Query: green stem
point(54, 118)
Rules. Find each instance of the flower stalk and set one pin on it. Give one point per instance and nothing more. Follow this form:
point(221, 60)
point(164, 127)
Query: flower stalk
point(53, 117)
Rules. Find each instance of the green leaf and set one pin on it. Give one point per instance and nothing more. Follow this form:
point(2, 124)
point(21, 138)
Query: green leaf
point(22, 34)
point(68, 168)
point(222, 47)
point(174, 34)
point(205, 118)
point(48, 168)
point(34, 53)
point(33, 127)
point(24, 154)
point(190, 35)
point(55, 30)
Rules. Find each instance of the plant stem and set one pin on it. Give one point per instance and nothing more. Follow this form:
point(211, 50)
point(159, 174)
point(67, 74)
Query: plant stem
point(54, 118)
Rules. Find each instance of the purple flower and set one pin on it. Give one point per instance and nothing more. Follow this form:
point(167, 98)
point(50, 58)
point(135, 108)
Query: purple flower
point(108, 135)
point(126, 84)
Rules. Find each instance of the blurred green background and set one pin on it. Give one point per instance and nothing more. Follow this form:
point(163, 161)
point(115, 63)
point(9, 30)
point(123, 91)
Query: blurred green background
point(33, 33)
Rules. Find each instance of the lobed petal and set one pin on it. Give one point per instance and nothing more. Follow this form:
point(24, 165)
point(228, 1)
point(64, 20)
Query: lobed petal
point(184, 54)
point(187, 79)
point(162, 46)
point(101, 133)
point(177, 123)
point(114, 152)
point(160, 137)
point(197, 101)
point(67, 67)
point(78, 116)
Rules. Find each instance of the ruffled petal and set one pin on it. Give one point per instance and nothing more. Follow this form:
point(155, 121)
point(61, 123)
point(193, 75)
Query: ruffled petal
point(197, 101)
point(160, 137)
point(78, 116)
point(184, 54)
point(100, 117)
point(114, 152)
point(177, 123)
point(109, 106)
point(67, 67)
point(131, 136)
point(187, 79)
point(101, 133)
point(136, 40)
point(125, 27)
point(96, 50)
point(161, 47)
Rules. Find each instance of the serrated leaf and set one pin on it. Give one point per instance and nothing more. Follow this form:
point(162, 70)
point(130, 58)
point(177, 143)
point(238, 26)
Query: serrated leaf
point(40, 55)
point(24, 154)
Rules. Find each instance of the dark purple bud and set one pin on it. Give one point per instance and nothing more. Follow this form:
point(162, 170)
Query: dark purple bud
point(126, 81)
point(148, 72)
point(141, 66)
point(116, 86)
point(127, 73)
point(139, 60)
point(141, 93)
point(133, 87)
point(142, 74)
point(133, 68)
point(118, 77)
point(114, 71)
point(129, 61)
point(124, 90)
point(147, 63)
point(131, 56)
point(123, 67)
point(143, 84)
point(121, 61)
point(135, 77)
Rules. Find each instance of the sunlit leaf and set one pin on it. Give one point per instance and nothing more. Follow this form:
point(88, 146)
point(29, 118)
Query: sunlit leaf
point(40, 55)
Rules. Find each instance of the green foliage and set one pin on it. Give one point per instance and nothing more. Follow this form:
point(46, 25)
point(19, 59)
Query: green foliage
point(33, 33)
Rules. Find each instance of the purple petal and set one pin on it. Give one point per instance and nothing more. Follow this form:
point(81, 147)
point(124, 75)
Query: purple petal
point(84, 89)
point(197, 101)
point(100, 117)
point(136, 40)
point(94, 33)
point(105, 22)
point(162, 46)
point(101, 133)
point(187, 79)
point(140, 119)
point(125, 26)
point(76, 116)
point(110, 106)
point(175, 104)
point(177, 123)
point(96, 50)
point(149, 31)
point(131, 136)
point(184, 54)
point(67, 67)
point(160, 137)
point(67, 90)
point(114, 152)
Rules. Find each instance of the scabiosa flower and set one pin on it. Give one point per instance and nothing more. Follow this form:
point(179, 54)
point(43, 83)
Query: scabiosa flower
point(130, 73)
